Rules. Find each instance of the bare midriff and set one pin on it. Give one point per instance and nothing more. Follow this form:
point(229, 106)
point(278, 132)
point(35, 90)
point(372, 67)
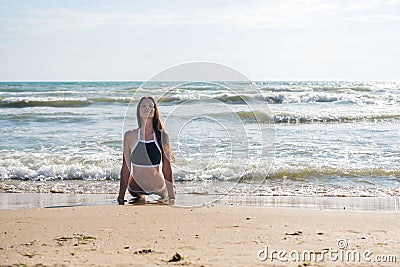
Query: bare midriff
point(148, 178)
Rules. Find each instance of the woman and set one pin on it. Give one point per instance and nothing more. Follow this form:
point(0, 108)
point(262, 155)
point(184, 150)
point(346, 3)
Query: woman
point(146, 167)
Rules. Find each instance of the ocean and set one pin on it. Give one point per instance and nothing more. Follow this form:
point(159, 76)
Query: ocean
point(270, 138)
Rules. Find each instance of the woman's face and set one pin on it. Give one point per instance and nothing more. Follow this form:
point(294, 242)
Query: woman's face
point(146, 109)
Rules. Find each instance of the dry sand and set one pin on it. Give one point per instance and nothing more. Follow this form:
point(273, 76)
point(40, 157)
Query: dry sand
point(150, 235)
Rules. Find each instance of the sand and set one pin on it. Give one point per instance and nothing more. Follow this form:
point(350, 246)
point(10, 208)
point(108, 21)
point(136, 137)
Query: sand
point(149, 235)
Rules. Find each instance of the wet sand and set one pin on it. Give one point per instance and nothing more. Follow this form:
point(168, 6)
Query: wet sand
point(148, 235)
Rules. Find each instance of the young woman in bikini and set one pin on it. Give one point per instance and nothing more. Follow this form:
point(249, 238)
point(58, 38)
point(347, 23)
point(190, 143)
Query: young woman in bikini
point(147, 156)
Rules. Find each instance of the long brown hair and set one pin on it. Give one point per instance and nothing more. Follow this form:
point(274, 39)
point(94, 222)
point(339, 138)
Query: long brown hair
point(161, 135)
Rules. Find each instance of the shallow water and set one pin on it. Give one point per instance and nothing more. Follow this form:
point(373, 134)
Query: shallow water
point(13, 201)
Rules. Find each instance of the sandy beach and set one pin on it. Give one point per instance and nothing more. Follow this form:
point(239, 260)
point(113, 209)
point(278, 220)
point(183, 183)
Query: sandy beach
point(149, 235)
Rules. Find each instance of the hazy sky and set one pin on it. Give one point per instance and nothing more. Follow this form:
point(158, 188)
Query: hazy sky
point(265, 40)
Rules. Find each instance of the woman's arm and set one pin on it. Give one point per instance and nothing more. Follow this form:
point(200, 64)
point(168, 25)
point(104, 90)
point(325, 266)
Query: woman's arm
point(125, 170)
point(123, 182)
point(167, 171)
point(168, 156)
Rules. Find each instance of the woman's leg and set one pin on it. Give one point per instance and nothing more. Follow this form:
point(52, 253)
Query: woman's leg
point(163, 195)
point(134, 186)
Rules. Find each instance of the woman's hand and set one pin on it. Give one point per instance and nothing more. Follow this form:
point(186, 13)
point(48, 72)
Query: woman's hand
point(121, 201)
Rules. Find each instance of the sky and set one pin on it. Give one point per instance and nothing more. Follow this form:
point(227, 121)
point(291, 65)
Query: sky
point(99, 40)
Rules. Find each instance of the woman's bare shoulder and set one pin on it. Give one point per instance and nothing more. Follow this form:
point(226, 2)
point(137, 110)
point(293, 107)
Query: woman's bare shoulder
point(131, 134)
point(164, 136)
point(165, 133)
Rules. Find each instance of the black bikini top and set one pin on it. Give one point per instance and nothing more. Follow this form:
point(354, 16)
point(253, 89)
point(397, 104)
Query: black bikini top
point(146, 153)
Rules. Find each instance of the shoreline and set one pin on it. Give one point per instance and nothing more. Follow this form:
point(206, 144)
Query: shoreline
point(15, 201)
point(209, 236)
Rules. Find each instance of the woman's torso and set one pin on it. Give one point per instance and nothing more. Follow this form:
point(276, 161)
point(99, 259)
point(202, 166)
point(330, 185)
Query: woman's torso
point(146, 162)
